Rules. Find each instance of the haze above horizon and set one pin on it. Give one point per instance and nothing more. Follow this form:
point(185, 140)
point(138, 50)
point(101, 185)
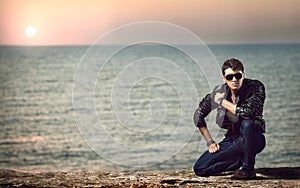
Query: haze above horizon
point(66, 22)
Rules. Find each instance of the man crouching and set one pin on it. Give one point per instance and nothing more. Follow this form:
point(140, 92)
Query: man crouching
point(239, 103)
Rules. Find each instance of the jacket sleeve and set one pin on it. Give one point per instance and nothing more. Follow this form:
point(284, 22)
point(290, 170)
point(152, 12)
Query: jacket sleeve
point(202, 111)
point(253, 105)
point(207, 105)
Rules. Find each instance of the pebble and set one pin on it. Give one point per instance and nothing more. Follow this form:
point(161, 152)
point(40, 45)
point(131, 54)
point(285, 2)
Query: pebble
point(132, 178)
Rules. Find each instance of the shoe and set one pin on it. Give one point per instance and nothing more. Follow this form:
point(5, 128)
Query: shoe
point(244, 175)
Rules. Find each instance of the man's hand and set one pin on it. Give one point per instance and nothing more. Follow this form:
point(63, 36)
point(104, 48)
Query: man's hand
point(213, 148)
point(219, 97)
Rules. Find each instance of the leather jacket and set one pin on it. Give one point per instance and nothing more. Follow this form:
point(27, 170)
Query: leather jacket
point(250, 101)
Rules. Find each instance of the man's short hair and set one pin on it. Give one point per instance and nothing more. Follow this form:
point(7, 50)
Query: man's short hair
point(234, 64)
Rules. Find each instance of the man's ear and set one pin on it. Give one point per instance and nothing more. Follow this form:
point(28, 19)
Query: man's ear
point(224, 79)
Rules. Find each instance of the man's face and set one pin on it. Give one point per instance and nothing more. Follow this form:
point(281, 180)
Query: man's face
point(234, 79)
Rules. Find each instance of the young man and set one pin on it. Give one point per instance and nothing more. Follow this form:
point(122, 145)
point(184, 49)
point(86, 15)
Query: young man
point(239, 103)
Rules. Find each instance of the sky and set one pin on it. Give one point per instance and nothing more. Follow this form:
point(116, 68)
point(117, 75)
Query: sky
point(81, 22)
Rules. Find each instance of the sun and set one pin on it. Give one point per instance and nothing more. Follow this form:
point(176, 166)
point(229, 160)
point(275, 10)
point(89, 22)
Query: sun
point(30, 31)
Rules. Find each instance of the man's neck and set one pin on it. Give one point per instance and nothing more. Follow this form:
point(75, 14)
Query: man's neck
point(234, 92)
point(233, 95)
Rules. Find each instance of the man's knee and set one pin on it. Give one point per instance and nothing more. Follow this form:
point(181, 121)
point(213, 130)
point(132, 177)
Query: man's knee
point(247, 126)
point(199, 171)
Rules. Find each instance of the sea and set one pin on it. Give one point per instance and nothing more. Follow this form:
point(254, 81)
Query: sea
point(109, 108)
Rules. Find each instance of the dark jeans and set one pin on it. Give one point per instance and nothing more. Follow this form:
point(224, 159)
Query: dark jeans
point(233, 153)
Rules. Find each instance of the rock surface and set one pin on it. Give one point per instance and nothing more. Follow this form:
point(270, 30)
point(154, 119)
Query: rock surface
point(266, 177)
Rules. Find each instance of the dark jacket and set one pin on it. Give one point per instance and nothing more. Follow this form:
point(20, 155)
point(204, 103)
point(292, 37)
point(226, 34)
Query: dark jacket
point(250, 102)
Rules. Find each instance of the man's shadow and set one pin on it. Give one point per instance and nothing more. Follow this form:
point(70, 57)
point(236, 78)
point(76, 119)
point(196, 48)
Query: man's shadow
point(283, 173)
point(287, 173)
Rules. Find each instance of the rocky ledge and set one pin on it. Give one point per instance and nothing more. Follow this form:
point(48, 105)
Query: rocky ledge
point(266, 177)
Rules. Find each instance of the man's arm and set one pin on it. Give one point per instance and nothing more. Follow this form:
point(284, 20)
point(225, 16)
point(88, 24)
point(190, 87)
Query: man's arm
point(199, 119)
point(231, 107)
point(212, 146)
point(202, 111)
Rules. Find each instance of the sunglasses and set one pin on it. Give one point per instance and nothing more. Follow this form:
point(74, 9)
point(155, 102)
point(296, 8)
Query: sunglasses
point(237, 76)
